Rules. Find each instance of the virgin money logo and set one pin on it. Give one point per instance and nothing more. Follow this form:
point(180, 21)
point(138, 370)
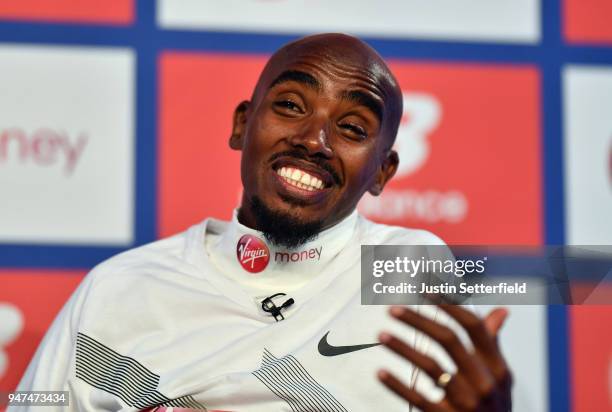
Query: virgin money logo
point(11, 325)
point(422, 113)
point(44, 147)
point(252, 253)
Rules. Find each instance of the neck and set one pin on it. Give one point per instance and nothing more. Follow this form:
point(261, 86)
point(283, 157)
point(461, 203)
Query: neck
point(243, 254)
point(283, 228)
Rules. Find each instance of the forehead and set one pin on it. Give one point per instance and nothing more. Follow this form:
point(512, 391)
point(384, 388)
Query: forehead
point(340, 64)
point(344, 63)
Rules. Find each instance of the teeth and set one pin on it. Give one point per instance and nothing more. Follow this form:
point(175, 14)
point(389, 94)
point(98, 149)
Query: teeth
point(296, 175)
point(300, 179)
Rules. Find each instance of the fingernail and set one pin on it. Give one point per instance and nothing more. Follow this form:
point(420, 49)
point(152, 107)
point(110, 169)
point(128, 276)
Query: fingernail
point(382, 374)
point(397, 310)
point(384, 337)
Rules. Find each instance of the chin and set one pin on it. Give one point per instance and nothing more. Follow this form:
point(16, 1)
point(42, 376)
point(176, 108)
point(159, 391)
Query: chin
point(285, 225)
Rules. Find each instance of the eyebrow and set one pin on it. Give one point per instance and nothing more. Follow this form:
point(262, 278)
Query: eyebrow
point(354, 96)
point(296, 76)
point(364, 99)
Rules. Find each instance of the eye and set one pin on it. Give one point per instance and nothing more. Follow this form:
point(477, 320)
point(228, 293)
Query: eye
point(286, 105)
point(354, 130)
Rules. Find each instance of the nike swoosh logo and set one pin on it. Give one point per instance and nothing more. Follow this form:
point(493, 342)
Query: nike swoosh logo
point(326, 349)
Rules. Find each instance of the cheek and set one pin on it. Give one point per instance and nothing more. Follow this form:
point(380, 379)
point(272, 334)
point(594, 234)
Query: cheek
point(366, 177)
point(361, 165)
point(263, 133)
point(261, 138)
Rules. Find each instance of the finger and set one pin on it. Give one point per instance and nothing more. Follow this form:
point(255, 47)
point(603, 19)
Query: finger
point(464, 360)
point(475, 327)
point(427, 364)
point(495, 320)
point(458, 390)
point(413, 397)
point(482, 335)
point(470, 365)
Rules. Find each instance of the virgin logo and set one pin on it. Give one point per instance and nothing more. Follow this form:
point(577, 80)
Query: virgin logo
point(252, 253)
point(422, 114)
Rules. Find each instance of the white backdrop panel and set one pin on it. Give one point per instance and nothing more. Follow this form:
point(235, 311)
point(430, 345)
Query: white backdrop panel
point(587, 104)
point(515, 21)
point(66, 145)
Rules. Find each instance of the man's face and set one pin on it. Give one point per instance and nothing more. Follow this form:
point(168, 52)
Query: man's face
point(315, 137)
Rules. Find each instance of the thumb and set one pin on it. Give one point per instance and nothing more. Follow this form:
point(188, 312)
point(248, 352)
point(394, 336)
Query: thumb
point(495, 320)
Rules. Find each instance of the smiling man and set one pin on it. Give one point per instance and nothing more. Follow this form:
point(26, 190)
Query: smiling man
point(263, 313)
point(316, 135)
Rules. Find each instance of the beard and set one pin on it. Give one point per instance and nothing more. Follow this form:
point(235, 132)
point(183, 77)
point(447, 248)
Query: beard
point(283, 229)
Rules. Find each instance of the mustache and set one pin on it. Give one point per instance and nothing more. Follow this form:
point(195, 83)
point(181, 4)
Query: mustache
point(320, 162)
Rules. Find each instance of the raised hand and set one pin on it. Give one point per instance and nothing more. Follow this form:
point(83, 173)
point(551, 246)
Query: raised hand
point(482, 382)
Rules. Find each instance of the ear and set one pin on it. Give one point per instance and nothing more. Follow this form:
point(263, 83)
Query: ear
point(385, 173)
point(239, 125)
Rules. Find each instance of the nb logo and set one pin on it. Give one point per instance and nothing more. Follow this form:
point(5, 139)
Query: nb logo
point(422, 113)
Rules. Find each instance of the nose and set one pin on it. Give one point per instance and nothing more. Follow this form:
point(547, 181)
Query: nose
point(314, 137)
